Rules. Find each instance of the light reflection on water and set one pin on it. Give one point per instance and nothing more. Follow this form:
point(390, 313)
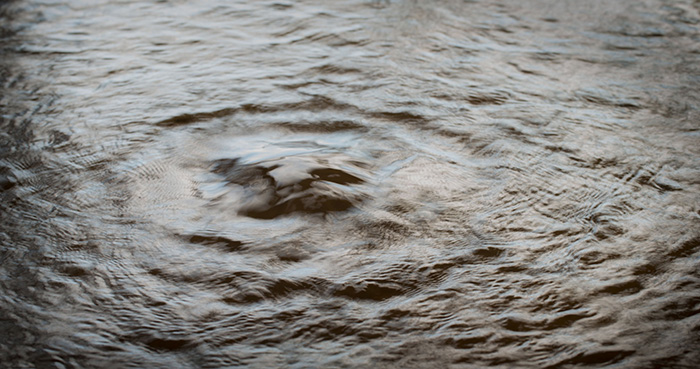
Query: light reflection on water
point(349, 184)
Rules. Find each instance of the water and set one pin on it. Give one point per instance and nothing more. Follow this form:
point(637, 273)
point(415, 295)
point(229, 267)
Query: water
point(352, 183)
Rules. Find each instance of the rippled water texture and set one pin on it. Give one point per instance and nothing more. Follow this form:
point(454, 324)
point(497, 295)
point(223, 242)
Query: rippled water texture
point(351, 183)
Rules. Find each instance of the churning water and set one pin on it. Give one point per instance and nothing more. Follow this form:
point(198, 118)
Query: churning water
point(350, 183)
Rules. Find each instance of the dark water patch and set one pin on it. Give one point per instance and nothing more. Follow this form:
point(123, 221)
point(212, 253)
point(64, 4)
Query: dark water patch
point(7, 179)
point(371, 290)
point(226, 242)
point(594, 257)
point(602, 97)
point(163, 344)
point(682, 308)
point(159, 342)
point(667, 184)
point(384, 283)
point(335, 176)
point(74, 270)
point(280, 189)
point(560, 321)
point(314, 104)
point(281, 6)
point(487, 99)
point(305, 204)
point(399, 116)
point(646, 269)
point(512, 269)
point(623, 288)
point(519, 325)
point(324, 126)
point(489, 252)
point(685, 247)
point(190, 118)
point(597, 357)
point(333, 69)
point(609, 230)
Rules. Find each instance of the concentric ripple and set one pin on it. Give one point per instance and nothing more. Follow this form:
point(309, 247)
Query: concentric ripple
point(349, 184)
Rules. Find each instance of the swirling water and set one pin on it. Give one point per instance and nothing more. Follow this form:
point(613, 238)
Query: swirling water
point(351, 183)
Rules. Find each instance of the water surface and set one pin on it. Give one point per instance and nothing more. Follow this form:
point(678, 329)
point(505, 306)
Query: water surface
point(355, 183)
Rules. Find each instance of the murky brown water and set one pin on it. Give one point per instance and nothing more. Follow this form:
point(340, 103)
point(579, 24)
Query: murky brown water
point(351, 183)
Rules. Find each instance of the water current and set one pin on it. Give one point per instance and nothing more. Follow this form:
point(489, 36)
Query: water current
point(349, 184)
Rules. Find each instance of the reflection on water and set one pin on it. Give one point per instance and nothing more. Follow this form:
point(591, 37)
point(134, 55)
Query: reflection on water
point(351, 183)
